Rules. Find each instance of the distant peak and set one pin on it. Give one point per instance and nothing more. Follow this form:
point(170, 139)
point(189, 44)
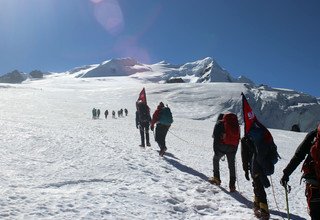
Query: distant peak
point(128, 61)
point(163, 62)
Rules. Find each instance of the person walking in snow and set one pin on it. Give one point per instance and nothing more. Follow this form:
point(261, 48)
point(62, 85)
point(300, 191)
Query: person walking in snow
point(162, 118)
point(126, 111)
point(226, 136)
point(113, 114)
point(94, 113)
point(143, 119)
point(309, 149)
point(106, 113)
point(260, 204)
point(98, 113)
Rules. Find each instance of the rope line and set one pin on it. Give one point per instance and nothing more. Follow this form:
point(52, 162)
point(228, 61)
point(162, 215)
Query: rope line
point(178, 137)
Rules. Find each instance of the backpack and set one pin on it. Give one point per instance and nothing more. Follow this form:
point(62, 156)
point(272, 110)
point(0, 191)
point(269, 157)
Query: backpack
point(144, 113)
point(265, 150)
point(312, 163)
point(231, 135)
point(165, 116)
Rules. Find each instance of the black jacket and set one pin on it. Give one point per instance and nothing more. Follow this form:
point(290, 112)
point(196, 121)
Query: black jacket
point(249, 162)
point(246, 153)
point(142, 122)
point(302, 151)
point(218, 133)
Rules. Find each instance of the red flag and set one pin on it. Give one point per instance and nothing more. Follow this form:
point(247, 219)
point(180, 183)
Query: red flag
point(142, 96)
point(250, 119)
point(248, 116)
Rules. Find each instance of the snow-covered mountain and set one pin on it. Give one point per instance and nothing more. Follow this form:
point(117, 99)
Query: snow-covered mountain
point(276, 108)
point(13, 77)
point(206, 70)
point(282, 108)
point(115, 67)
point(17, 77)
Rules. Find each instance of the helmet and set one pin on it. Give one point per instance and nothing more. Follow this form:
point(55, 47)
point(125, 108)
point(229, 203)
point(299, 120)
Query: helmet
point(161, 104)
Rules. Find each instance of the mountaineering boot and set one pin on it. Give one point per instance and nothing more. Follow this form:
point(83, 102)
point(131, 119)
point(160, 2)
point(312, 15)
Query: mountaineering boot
point(262, 215)
point(215, 180)
point(162, 151)
point(256, 208)
point(148, 144)
point(141, 145)
point(257, 212)
point(263, 212)
point(232, 188)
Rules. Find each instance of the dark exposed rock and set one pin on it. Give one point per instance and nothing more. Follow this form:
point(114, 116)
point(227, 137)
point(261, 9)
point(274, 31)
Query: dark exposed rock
point(175, 80)
point(13, 77)
point(37, 74)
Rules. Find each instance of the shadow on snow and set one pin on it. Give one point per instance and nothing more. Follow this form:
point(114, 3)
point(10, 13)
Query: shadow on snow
point(237, 195)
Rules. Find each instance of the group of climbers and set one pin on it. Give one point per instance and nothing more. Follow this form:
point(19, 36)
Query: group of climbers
point(258, 152)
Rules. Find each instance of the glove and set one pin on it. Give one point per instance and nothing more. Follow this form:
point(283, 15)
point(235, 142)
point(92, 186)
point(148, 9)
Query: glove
point(137, 126)
point(284, 180)
point(247, 175)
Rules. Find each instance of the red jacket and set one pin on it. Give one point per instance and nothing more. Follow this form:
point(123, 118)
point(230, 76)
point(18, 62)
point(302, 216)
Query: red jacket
point(155, 116)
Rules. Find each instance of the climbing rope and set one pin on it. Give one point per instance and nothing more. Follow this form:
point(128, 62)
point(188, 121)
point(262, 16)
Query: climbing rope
point(178, 137)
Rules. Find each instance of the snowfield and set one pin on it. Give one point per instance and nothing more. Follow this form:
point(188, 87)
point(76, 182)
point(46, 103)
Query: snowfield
point(58, 163)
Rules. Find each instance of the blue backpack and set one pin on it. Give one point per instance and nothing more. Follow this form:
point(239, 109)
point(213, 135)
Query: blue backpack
point(266, 153)
point(165, 116)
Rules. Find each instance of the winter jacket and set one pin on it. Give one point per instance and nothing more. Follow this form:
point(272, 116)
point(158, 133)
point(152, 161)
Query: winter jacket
point(218, 133)
point(249, 162)
point(156, 116)
point(302, 151)
point(246, 153)
point(142, 123)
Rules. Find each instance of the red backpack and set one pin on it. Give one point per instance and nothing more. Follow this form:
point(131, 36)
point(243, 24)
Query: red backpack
point(315, 154)
point(311, 164)
point(231, 135)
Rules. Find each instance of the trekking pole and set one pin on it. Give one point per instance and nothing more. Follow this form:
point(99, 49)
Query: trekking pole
point(274, 195)
point(287, 189)
point(237, 180)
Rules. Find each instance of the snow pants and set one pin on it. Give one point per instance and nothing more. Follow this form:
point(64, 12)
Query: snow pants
point(161, 133)
point(260, 196)
point(144, 132)
point(230, 152)
point(313, 199)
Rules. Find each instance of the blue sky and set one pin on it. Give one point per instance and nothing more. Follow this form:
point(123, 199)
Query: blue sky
point(274, 42)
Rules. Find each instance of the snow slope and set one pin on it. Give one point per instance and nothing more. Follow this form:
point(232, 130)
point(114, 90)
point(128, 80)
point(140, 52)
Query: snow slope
point(278, 108)
point(58, 163)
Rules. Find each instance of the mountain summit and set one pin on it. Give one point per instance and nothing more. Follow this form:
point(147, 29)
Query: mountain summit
point(206, 70)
